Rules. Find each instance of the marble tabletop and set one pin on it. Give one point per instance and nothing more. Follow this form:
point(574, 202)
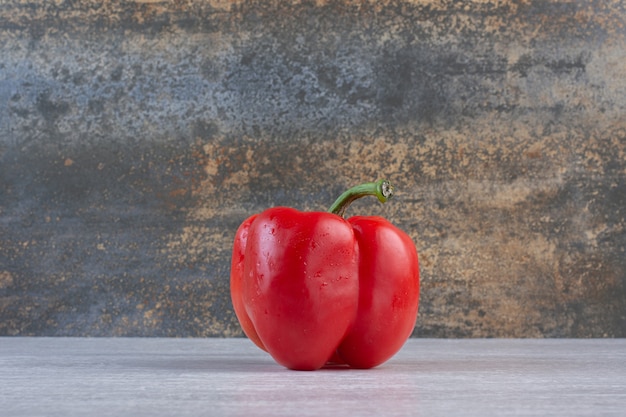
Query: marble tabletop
point(231, 377)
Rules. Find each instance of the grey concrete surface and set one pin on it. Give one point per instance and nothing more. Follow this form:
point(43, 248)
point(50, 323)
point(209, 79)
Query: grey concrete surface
point(135, 136)
point(231, 377)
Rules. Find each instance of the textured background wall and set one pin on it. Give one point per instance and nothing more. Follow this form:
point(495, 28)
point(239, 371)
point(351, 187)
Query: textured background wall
point(136, 136)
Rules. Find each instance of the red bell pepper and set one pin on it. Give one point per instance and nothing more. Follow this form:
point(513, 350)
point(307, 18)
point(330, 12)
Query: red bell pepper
point(312, 288)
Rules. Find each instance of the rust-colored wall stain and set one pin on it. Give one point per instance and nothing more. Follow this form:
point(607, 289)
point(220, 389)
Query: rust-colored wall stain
point(135, 138)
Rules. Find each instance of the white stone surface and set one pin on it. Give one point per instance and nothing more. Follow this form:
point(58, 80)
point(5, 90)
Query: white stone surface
point(231, 377)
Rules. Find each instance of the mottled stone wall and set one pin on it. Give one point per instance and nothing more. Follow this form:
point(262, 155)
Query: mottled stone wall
point(136, 136)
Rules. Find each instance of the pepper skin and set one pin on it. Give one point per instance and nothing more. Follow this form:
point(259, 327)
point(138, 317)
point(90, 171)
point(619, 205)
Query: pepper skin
point(312, 288)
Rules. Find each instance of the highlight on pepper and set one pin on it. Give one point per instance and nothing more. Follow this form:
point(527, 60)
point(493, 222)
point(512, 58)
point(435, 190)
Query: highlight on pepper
point(315, 288)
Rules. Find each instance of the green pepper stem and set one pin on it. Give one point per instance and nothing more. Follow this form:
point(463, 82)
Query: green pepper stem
point(382, 189)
